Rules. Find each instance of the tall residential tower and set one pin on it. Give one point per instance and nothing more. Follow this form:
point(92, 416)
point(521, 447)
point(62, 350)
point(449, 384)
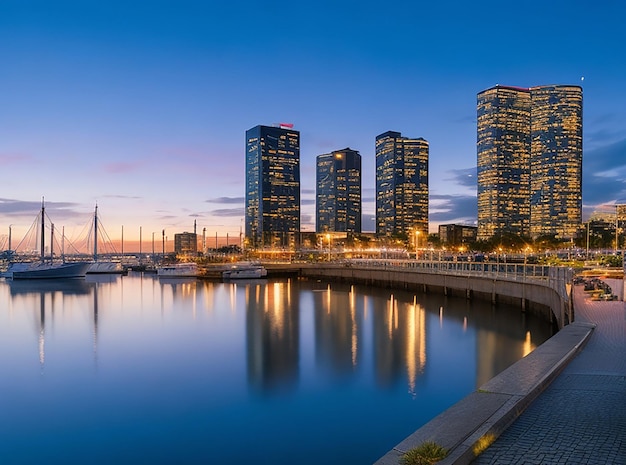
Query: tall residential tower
point(401, 185)
point(272, 187)
point(338, 193)
point(503, 162)
point(556, 160)
point(529, 147)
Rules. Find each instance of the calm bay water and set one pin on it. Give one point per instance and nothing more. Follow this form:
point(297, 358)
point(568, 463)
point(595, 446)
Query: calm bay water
point(135, 369)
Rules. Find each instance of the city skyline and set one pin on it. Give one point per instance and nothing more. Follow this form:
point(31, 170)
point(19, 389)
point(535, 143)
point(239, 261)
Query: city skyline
point(143, 111)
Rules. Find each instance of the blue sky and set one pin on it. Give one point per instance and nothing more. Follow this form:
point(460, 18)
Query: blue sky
point(142, 106)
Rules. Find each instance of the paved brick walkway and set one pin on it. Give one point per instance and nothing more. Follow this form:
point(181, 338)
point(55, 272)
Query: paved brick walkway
point(581, 417)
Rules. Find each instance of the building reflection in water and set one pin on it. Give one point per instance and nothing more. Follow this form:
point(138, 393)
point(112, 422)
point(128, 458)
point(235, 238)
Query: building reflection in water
point(43, 297)
point(497, 350)
point(349, 333)
point(399, 341)
point(338, 330)
point(272, 336)
point(496, 340)
point(179, 290)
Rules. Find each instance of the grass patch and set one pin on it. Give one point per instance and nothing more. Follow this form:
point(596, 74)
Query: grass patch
point(427, 453)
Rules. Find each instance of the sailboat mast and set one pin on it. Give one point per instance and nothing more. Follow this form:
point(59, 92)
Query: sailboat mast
point(51, 242)
point(43, 229)
point(95, 234)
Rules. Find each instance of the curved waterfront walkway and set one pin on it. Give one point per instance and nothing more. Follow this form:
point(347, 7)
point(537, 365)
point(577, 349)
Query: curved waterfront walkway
point(564, 403)
point(581, 417)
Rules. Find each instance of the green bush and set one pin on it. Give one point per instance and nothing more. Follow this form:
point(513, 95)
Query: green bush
point(427, 453)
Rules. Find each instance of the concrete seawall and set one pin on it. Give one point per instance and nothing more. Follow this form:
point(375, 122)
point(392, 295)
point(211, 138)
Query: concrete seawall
point(537, 296)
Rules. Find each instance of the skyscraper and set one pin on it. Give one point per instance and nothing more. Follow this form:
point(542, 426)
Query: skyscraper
point(556, 159)
point(272, 186)
point(529, 146)
point(503, 145)
point(338, 193)
point(401, 185)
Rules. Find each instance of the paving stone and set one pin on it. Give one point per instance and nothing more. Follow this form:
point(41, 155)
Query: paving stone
point(582, 414)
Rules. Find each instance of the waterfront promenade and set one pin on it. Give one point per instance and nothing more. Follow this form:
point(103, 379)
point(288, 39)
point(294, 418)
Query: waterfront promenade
point(565, 403)
point(581, 417)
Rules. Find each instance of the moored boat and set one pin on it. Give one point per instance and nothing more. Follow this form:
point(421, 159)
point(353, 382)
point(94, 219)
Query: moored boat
point(105, 268)
point(245, 270)
point(46, 268)
point(178, 270)
point(101, 267)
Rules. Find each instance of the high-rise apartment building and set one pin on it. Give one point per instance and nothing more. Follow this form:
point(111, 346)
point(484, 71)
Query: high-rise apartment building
point(338, 192)
point(556, 160)
point(503, 118)
point(272, 212)
point(529, 146)
point(401, 185)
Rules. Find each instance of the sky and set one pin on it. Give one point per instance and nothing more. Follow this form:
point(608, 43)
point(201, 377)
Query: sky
point(141, 107)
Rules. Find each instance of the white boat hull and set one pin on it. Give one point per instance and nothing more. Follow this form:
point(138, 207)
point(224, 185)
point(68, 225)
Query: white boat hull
point(178, 270)
point(105, 268)
point(247, 272)
point(47, 270)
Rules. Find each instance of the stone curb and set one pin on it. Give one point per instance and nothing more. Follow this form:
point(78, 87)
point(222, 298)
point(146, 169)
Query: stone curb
point(472, 424)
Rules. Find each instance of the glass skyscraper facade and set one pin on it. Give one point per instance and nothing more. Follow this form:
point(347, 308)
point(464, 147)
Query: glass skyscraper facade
point(338, 192)
point(503, 145)
point(556, 160)
point(272, 210)
point(401, 185)
point(529, 147)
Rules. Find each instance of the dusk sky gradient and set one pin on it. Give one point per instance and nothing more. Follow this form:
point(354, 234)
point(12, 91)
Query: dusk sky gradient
point(142, 107)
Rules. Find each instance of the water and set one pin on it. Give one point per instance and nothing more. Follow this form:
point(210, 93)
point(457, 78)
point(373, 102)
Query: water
point(131, 369)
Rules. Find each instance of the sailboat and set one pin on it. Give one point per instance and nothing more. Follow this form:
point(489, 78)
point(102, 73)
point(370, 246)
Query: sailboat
point(46, 269)
point(101, 267)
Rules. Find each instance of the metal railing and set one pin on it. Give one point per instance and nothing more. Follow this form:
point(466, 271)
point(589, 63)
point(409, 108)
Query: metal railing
point(555, 277)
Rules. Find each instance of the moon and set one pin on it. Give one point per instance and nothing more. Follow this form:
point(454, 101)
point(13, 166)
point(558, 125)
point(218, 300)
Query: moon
point(582, 78)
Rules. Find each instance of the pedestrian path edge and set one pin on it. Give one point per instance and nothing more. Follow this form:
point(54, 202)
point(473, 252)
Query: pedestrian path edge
point(472, 424)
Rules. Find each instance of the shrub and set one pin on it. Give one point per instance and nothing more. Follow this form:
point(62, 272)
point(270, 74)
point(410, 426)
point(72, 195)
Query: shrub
point(427, 453)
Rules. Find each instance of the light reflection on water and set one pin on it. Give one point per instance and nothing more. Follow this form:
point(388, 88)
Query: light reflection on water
point(140, 370)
